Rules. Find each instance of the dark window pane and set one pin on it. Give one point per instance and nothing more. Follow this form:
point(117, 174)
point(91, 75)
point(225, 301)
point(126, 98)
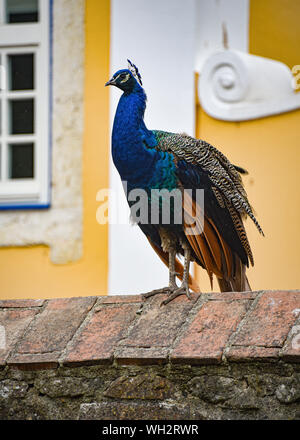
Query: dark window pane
point(22, 11)
point(20, 161)
point(21, 116)
point(21, 72)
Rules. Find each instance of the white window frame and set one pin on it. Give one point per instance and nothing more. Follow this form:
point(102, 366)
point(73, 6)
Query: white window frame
point(28, 38)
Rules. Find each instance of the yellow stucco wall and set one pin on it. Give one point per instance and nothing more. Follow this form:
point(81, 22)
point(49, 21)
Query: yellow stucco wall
point(275, 30)
point(269, 149)
point(27, 272)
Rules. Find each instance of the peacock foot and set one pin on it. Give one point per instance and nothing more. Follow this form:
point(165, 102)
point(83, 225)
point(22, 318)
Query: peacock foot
point(183, 290)
point(168, 290)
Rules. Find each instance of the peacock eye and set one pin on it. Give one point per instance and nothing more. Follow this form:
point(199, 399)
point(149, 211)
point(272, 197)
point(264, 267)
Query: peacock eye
point(123, 76)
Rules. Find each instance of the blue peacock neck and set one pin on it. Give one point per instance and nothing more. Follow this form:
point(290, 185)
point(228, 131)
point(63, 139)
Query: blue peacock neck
point(133, 160)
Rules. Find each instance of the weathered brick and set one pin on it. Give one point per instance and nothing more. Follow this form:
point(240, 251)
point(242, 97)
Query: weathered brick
point(243, 386)
point(159, 325)
point(52, 329)
point(238, 354)
point(291, 348)
point(21, 303)
point(141, 356)
point(150, 340)
point(222, 296)
point(205, 338)
point(35, 361)
point(121, 299)
point(270, 321)
point(14, 323)
point(97, 341)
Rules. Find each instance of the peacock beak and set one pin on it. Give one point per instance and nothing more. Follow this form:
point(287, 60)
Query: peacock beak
point(111, 82)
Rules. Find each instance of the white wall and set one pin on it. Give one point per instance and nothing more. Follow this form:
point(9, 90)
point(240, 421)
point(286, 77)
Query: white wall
point(217, 18)
point(159, 37)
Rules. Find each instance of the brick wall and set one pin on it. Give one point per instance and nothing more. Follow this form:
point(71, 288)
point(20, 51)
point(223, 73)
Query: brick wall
point(219, 356)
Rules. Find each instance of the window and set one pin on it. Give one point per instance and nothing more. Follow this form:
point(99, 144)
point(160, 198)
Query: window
point(24, 103)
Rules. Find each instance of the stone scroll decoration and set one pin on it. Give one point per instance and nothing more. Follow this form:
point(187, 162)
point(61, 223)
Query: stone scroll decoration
point(237, 86)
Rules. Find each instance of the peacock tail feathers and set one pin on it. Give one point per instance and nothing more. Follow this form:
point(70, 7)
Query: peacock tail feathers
point(223, 174)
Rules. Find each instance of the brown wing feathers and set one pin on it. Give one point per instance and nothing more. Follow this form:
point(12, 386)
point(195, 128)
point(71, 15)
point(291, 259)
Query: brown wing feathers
point(225, 178)
point(207, 243)
point(207, 240)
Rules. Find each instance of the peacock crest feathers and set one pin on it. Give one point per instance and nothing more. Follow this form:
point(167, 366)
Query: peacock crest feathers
point(135, 72)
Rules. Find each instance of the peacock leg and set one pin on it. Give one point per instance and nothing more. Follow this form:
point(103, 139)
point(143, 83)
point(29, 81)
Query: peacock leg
point(184, 288)
point(172, 271)
point(172, 278)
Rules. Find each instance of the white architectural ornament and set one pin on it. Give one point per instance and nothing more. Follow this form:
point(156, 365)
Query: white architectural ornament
point(237, 86)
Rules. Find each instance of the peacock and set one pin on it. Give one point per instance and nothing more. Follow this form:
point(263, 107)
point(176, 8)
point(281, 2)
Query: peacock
point(159, 162)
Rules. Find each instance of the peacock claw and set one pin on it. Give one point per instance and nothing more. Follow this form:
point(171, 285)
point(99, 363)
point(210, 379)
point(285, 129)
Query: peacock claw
point(168, 290)
point(184, 290)
point(171, 291)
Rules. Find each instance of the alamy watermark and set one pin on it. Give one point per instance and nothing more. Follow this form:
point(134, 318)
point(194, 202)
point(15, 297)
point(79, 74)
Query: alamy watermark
point(157, 206)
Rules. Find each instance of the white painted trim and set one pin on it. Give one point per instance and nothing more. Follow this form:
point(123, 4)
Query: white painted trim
point(18, 191)
point(21, 35)
point(235, 86)
point(28, 38)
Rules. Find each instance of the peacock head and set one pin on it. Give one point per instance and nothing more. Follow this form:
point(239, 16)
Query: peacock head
point(126, 79)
